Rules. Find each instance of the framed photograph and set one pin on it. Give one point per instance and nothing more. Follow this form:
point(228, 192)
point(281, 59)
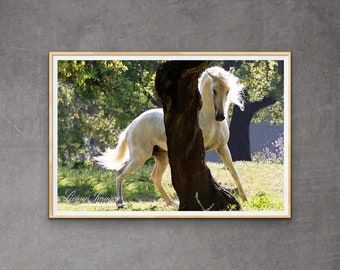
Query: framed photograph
point(110, 144)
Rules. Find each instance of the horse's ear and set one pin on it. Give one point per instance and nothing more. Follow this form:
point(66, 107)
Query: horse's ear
point(195, 69)
point(211, 76)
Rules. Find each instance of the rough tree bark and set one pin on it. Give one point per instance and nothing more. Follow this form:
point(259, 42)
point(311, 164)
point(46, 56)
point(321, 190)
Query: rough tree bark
point(176, 85)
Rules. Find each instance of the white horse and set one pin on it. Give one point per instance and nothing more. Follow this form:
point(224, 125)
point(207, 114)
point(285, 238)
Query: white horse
point(145, 136)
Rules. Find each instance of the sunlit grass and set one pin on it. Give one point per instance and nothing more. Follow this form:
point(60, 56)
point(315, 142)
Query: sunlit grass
point(263, 184)
point(89, 188)
point(157, 205)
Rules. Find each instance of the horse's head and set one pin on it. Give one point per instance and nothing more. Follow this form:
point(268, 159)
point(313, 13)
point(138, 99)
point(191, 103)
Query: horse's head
point(219, 90)
point(225, 88)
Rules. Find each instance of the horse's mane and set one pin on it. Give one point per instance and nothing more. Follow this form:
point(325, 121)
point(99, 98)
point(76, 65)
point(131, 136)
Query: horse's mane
point(235, 94)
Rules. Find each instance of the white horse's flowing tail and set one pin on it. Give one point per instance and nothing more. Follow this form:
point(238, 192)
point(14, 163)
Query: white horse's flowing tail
point(114, 159)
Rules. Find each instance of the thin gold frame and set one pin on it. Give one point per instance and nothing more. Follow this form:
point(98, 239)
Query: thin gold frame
point(175, 214)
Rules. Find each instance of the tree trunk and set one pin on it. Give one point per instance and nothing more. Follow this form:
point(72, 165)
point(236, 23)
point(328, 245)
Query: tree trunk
point(239, 142)
point(176, 85)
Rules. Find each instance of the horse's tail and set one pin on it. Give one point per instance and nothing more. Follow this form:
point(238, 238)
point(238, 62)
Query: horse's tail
point(114, 159)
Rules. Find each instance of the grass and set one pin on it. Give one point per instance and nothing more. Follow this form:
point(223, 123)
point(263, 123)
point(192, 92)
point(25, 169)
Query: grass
point(86, 187)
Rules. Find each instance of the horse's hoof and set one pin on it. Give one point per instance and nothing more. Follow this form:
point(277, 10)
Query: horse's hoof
point(236, 192)
point(242, 195)
point(172, 203)
point(120, 205)
point(244, 199)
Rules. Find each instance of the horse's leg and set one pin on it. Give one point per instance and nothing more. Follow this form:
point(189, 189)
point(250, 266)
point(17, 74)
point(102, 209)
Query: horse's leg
point(161, 163)
point(124, 172)
point(225, 155)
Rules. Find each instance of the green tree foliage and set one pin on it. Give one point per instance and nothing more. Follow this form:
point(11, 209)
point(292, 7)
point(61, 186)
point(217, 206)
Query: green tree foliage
point(263, 79)
point(97, 99)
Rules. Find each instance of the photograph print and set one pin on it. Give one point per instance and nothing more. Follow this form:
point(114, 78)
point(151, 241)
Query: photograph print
point(169, 135)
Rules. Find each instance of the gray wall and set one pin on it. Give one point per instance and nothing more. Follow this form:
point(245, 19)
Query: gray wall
point(30, 29)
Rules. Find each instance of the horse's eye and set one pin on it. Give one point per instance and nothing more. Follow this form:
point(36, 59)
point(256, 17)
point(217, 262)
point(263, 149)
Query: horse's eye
point(214, 92)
